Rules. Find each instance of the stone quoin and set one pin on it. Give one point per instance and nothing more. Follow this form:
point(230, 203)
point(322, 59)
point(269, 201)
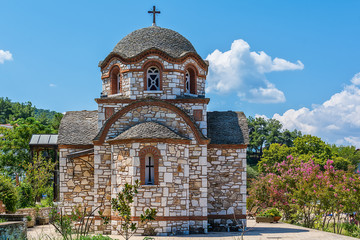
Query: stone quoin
point(152, 125)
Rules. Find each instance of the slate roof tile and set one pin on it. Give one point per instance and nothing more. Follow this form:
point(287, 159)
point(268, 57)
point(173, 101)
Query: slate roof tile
point(227, 128)
point(78, 128)
point(148, 130)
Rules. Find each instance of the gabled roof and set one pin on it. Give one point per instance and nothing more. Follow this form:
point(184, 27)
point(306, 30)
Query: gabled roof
point(78, 128)
point(148, 130)
point(227, 128)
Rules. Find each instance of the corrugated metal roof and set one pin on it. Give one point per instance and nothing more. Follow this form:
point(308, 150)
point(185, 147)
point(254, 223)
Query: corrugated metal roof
point(44, 139)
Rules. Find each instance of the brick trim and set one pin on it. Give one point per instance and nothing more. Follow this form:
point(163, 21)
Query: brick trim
point(128, 100)
point(100, 138)
point(150, 140)
point(155, 152)
point(106, 75)
point(228, 146)
point(104, 64)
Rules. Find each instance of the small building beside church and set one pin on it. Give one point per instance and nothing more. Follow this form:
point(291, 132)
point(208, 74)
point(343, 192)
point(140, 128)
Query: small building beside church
point(152, 125)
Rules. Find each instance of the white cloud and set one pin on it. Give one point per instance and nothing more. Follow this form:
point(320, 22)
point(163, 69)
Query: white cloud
point(337, 120)
point(356, 79)
point(5, 55)
point(243, 71)
point(52, 85)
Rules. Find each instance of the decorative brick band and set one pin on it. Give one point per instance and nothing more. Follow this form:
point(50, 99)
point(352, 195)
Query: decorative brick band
point(142, 70)
point(150, 140)
point(156, 52)
point(128, 100)
point(156, 155)
point(100, 138)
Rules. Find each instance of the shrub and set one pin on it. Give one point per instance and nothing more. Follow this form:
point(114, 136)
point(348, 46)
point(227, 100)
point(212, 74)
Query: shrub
point(8, 194)
point(273, 212)
point(26, 195)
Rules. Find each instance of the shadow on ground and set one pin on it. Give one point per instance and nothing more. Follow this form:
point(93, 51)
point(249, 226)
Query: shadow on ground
point(275, 230)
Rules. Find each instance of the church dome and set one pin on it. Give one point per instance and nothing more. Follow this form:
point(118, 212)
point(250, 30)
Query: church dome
point(163, 39)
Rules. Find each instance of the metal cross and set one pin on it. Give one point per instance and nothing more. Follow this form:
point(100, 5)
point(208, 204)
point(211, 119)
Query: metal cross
point(154, 12)
point(149, 166)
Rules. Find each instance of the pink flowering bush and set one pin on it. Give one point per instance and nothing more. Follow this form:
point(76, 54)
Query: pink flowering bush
point(309, 194)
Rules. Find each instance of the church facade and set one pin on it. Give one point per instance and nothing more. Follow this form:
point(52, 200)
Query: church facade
point(152, 125)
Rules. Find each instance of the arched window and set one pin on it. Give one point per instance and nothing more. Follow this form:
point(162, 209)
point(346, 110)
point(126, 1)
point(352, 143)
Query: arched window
point(187, 82)
point(149, 165)
point(190, 81)
point(153, 79)
point(115, 81)
point(149, 170)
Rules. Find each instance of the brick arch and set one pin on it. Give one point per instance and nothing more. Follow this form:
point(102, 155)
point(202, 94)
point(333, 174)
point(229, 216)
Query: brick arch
point(194, 73)
point(154, 52)
point(151, 63)
point(100, 138)
point(155, 152)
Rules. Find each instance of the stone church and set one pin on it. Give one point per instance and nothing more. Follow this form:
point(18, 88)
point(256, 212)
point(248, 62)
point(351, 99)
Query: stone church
point(152, 124)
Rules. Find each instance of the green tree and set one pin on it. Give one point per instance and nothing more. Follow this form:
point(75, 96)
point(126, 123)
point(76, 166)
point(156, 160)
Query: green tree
point(122, 205)
point(264, 132)
point(38, 174)
point(14, 144)
point(276, 153)
point(308, 148)
point(348, 152)
point(55, 122)
point(311, 147)
point(5, 110)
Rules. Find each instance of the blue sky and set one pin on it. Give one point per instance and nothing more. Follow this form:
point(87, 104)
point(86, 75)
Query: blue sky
point(55, 48)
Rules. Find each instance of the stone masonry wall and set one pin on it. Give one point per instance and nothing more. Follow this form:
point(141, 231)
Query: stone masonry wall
point(186, 107)
point(182, 175)
point(151, 113)
point(76, 181)
point(226, 182)
point(172, 81)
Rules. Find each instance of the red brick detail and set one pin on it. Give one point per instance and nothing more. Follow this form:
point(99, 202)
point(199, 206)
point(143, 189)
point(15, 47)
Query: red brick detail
point(147, 65)
point(156, 154)
point(193, 71)
point(150, 140)
point(154, 52)
point(106, 75)
point(109, 111)
point(103, 132)
point(198, 116)
point(127, 100)
point(114, 88)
